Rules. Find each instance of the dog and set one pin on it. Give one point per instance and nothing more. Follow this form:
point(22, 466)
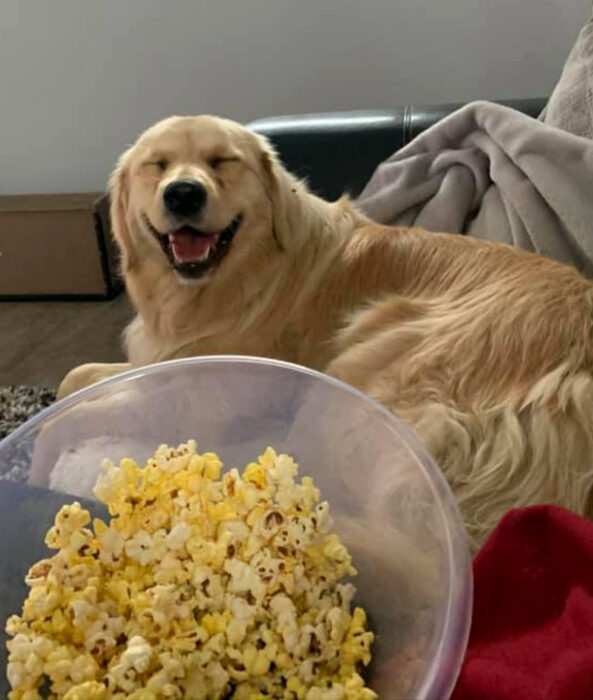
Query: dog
point(484, 350)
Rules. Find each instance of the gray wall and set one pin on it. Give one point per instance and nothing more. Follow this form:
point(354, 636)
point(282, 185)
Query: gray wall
point(79, 79)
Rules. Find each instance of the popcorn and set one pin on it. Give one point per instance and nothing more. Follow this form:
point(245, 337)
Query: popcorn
point(134, 661)
point(202, 585)
point(139, 548)
point(178, 536)
point(92, 690)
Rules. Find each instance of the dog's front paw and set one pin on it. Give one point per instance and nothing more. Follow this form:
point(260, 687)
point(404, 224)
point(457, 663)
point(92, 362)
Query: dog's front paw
point(85, 375)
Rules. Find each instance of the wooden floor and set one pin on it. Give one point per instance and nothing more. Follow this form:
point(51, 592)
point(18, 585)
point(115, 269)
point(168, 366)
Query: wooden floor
point(41, 341)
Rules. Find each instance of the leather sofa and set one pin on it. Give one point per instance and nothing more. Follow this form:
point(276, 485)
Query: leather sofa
point(337, 152)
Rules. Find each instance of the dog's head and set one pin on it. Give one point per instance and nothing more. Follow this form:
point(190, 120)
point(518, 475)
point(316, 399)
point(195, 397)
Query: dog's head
point(197, 194)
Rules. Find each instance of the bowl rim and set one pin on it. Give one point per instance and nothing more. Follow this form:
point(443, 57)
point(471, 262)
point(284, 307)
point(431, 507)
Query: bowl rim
point(438, 683)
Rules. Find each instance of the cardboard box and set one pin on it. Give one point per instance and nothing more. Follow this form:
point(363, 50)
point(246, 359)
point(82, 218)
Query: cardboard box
point(58, 247)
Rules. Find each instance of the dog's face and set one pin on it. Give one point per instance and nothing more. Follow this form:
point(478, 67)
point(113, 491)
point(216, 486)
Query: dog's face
point(194, 194)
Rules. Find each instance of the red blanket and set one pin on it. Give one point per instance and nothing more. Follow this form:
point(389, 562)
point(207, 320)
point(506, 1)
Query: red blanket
point(532, 630)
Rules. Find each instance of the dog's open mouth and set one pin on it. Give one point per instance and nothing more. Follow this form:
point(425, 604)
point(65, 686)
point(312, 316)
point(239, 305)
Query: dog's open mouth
point(192, 252)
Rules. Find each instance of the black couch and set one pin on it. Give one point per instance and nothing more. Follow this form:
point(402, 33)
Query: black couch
point(338, 152)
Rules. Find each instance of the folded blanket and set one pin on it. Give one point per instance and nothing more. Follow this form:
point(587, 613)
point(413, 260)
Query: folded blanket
point(493, 173)
point(532, 632)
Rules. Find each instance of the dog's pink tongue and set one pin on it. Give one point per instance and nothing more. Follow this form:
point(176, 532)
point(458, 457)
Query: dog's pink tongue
point(189, 245)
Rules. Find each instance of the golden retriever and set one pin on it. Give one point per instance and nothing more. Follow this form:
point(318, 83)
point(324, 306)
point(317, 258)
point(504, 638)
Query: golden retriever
point(485, 350)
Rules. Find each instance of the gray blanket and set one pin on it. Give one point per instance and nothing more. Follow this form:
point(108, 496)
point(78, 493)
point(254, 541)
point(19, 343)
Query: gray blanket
point(493, 173)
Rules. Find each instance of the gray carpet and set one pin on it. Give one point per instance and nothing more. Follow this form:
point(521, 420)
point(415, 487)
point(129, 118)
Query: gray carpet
point(17, 405)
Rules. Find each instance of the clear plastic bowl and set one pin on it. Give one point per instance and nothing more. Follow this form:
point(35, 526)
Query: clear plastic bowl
point(388, 499)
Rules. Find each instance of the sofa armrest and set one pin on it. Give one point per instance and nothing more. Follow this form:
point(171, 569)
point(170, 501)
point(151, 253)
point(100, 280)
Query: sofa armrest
point(337, 152)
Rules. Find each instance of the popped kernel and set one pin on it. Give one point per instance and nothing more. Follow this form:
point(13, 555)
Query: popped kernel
point(202, 585)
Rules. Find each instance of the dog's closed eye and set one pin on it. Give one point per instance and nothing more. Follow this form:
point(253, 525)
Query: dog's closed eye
point(161, 164)
point(216, 161)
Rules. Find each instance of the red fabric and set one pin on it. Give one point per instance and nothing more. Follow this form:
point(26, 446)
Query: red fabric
point(532, 629)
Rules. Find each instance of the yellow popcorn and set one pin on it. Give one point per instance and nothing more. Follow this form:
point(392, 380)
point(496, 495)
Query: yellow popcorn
point(214, 623)
point(296, 687)
point(92, 690)
point(219, 512)
point(212, 467)
point(201, 585)
point(255, 474)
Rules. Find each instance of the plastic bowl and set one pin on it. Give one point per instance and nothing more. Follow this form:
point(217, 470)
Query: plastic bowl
point(388, 499)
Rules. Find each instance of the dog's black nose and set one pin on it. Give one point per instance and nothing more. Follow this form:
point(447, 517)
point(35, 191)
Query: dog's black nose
point(184, 197)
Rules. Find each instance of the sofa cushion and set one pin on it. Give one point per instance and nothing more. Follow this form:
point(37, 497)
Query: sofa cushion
point(571, 104)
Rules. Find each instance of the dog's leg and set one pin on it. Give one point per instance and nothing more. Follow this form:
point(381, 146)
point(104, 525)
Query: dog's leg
point(85, 375)
point(531, 444)
point(375, 338)
point(510, 456)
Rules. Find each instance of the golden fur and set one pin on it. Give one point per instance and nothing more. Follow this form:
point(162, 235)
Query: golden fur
point(485, 350)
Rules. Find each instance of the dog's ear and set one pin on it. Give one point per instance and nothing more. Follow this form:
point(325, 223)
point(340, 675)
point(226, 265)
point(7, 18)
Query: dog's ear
point(119, 188)
point(285, 193)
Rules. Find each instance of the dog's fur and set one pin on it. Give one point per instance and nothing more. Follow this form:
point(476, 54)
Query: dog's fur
point(486, 351)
